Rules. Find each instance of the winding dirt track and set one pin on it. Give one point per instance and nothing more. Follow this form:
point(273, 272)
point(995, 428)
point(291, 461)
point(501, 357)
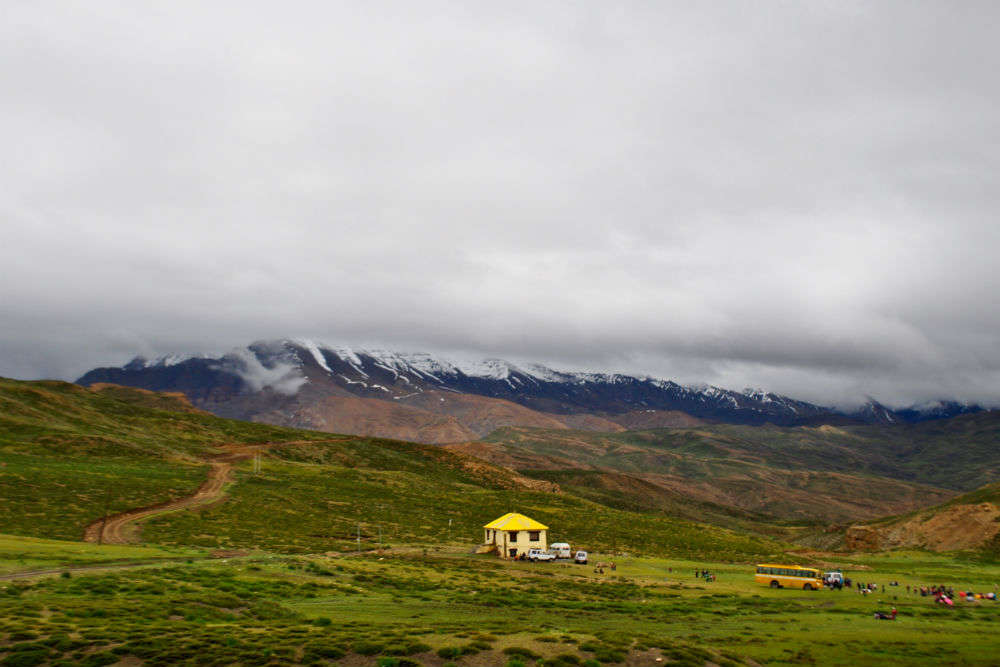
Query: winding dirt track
point(119, 529)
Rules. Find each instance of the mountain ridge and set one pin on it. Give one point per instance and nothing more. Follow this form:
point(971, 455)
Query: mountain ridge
point(282, 381)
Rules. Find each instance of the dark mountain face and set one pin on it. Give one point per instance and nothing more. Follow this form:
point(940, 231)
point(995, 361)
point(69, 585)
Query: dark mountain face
point(874, 412)
point(267, 378)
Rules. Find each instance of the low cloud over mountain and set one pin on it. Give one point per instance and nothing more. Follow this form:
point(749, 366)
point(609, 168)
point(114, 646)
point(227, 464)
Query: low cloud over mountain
point(802, 197)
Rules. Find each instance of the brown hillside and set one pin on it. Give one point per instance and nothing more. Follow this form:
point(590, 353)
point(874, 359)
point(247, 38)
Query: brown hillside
point(803, 494)
point(516, 458)
point(712, 468)
point(644, 419)
point(586, 422)
point(480, 414)
point(371, 417)
point(433, 417)
point(951, 528)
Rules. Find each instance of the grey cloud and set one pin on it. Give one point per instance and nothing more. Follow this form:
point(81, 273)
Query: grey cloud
point(796, 196)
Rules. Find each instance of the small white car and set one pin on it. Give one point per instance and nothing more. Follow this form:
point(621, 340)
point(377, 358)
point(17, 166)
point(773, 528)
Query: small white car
point(539, 554)
point(561, 550)
point(581, 557)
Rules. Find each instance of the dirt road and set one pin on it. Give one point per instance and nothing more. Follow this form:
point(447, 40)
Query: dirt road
point(120, 528)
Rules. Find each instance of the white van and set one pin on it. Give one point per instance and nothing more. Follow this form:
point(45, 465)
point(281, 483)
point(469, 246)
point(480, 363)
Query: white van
point(561, 550)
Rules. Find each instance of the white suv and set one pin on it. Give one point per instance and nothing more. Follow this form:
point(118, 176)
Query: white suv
point(539, 554)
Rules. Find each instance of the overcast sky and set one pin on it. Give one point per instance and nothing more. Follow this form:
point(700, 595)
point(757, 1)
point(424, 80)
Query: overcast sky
point(802, 196)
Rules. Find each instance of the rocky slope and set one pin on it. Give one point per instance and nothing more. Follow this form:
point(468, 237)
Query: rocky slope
point(968, 522)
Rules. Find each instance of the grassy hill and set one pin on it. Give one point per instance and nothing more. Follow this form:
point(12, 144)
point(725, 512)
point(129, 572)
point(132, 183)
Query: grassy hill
point(805, 474)
point(69, 454)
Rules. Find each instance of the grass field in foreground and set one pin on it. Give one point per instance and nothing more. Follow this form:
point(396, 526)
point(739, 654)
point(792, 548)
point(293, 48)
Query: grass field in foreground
point(447, 607)
point(18, 554)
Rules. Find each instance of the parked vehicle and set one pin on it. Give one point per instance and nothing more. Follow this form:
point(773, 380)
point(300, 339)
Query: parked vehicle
point(561, 550)
point(540, 554)
point(581, 557)
point(790, 576)
point(833, 577)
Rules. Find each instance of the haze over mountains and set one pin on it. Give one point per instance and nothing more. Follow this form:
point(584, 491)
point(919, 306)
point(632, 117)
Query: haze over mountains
point(420, 397)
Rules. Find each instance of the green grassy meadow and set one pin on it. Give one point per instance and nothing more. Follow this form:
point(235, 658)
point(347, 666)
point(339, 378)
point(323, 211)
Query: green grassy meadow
point(447, 607)
point(29, 554)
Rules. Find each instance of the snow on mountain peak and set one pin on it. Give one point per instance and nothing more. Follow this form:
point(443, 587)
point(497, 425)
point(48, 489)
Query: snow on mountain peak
point(546, 374)
point(493, 369)
point(420, 363)
point(164, 361)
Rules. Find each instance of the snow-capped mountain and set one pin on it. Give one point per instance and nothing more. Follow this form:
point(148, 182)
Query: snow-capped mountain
point(284, 381)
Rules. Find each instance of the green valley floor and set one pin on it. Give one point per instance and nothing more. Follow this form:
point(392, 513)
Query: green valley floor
point(131, 605)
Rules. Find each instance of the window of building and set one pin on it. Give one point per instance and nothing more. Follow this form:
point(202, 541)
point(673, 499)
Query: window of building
point(534, 535)
point(513, 536)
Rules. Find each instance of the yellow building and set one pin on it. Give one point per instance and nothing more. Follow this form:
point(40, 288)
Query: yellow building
point(513, 534)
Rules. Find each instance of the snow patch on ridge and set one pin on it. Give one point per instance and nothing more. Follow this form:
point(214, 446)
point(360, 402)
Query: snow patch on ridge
point(348, 356)
point(316, 353)
point(546, 374)
point(167, 360)
point(418, 363)
point(492, 369)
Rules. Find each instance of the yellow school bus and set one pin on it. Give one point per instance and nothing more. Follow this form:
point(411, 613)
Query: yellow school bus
point(789, 576)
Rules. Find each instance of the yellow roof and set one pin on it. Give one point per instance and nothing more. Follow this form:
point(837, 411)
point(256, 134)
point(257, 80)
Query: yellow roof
point(515, 521)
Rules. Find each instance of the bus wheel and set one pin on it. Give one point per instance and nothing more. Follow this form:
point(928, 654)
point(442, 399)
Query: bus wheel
point(775, 584)
point(807, 587)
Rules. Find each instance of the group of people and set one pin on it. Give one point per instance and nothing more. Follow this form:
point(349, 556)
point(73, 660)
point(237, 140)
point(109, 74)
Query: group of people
point(935, 591)
point(704, 574)
point(947, 595)
point(866, 588)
